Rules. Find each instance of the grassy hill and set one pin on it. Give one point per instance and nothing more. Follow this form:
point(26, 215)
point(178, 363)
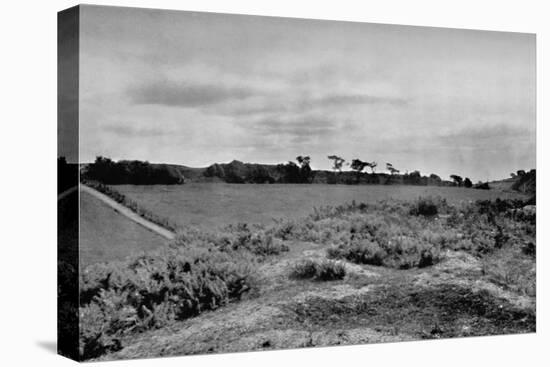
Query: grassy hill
point(524, 182)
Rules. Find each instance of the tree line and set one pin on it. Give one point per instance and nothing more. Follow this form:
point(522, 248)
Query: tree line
point(299, 170)
point(357, 165)
point(133, 172)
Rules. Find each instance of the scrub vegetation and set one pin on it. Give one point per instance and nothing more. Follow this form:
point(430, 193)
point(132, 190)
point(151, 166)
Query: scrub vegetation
point(378, 271)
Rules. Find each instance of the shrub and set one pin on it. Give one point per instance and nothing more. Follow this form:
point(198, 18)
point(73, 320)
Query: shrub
point(365, 252)
point(424, 206)
point(95, 336)
point(330, 270)
point(511, 269)
point(482, 186)
point(402, 234)
point(153, 290)
point(401, 253)
point(253, 239)
point(305, 269)
point(284, 229)
point(322, 271)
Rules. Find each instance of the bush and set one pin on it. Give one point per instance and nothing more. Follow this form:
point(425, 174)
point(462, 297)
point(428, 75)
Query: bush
point(254, 239)
point(305, 269)
point(401, 234)
point(425, 206)
point(154, 290)
point(330, 270)
point(322, 271)
point(365, 252)
point(400, 253)
point(482, 186)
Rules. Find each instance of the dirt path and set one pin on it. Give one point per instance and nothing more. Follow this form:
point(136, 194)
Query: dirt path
point(129, 213)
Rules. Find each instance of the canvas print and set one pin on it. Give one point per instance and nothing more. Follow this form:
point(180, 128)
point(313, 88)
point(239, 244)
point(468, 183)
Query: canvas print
point(235, 183)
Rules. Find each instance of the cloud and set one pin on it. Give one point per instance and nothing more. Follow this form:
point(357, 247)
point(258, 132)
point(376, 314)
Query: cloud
point(360, 99)
point(487, 135)
point(301, 104)
point(131, 131)
point(298, 127)
point(169, 93)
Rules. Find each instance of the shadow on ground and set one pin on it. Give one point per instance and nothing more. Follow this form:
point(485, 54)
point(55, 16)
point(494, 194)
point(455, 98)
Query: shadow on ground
point(48, 345)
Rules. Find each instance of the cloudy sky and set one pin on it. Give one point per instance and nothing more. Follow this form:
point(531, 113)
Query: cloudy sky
point(196, 88)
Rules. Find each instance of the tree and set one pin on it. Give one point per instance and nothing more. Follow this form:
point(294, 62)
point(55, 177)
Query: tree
point(391, 168)
point(457, 180)
point(358, 166)
point(290, 172)
point(467, 183)
point(372, 165)
point(305, 169)
point(337, 162)
point(303, 160)
point(521, 173)
point(435, 177)
point(414, 177)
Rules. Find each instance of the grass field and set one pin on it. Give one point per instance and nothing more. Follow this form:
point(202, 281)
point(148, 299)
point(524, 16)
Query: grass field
point(105, 235)
point(210, 205)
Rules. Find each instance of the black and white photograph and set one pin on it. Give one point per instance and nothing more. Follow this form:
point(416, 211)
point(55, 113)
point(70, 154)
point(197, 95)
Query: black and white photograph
point(236, 183)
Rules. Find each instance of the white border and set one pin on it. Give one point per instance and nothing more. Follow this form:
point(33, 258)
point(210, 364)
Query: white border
point(28, 273)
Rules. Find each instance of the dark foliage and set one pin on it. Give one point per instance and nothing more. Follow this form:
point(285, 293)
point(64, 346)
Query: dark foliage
point(457, 180)
point(109, 172)
point(239, 172)
point(154, 290)
point(526, 182)
point(424, 206)
point(325, 270)
point(482, 186)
